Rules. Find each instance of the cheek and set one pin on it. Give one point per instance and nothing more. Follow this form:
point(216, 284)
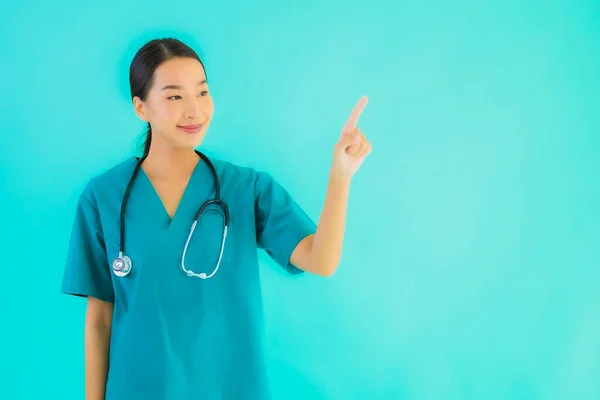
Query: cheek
point(170, 111)
point(163, 112)
point(209, 108)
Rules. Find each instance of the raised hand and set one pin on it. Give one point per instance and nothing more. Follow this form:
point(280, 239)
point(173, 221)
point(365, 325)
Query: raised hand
point(352, 146)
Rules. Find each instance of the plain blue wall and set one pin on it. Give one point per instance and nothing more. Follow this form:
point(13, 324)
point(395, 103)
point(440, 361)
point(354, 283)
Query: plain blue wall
point(470, 268)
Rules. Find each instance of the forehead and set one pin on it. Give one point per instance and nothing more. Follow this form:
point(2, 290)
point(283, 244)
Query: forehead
point(179, 71)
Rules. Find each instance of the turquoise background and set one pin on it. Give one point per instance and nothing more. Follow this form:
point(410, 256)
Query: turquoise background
point(470, 268)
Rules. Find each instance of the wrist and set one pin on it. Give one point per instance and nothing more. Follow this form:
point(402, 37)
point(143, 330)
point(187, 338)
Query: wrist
point(338, 177)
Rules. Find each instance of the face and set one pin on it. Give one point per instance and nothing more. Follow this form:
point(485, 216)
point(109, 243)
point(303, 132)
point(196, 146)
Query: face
point(179, 106)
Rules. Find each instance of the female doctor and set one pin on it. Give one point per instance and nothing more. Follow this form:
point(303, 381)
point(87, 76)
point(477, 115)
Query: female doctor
point(164, 247)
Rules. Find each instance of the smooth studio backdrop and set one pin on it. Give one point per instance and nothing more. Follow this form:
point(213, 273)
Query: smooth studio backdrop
point(470, 268)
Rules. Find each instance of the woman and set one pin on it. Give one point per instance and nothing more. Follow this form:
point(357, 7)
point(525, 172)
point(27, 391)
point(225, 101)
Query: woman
point(173, 305)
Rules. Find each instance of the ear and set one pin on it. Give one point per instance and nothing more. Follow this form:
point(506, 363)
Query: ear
point(140, 109)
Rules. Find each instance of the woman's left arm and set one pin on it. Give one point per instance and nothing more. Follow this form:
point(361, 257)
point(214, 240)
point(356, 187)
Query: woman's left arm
point(321, 252)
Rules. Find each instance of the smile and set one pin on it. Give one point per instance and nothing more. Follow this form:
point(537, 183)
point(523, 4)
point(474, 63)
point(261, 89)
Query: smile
point(191, 128)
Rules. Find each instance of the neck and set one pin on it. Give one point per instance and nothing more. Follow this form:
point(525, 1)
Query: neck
point(164, 162)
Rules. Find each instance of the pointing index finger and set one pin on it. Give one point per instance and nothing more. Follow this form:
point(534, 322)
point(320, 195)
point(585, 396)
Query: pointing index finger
point(353, 119)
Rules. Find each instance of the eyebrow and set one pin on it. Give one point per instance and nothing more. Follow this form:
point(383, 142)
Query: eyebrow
point(178, 87)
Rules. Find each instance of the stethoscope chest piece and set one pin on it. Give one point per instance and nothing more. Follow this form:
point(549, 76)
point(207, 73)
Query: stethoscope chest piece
point(121, 265)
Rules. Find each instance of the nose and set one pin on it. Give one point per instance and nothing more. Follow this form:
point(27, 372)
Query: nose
point(192, 110)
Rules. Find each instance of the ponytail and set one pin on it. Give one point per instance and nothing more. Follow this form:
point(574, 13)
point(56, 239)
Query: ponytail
point(148, 140)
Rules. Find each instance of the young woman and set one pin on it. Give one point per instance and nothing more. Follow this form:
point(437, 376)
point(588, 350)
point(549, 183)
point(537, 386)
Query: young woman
point(164, 247)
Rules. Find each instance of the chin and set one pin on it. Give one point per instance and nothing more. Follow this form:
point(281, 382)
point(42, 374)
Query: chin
point(190, 142)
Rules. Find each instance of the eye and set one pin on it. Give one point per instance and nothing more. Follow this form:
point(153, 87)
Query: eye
point(203, 93)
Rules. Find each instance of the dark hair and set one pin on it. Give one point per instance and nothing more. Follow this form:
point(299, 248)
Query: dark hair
point(145, 62)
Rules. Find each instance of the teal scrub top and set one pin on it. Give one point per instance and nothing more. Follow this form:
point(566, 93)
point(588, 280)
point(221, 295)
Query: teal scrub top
point(175, 336)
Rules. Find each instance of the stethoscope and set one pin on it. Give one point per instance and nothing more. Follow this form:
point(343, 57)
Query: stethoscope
point(121, 265)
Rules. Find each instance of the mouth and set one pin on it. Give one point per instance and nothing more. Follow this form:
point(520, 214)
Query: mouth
point(190, 128)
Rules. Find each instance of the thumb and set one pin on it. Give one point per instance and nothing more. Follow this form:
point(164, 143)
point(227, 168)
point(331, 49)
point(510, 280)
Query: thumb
point(347, 141)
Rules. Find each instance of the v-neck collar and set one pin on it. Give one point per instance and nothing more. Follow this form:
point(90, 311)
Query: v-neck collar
point(189, 196)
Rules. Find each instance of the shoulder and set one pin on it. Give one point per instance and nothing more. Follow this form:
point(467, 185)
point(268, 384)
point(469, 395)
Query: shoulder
point(237, 174)
point(260, 186)
point(108, 182)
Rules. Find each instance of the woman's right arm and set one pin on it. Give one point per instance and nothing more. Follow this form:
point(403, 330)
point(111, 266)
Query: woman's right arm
point(98, 324)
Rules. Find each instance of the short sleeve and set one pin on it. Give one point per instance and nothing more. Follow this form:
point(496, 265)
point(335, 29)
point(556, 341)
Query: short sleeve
point(86, 271)
point(280, 222)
